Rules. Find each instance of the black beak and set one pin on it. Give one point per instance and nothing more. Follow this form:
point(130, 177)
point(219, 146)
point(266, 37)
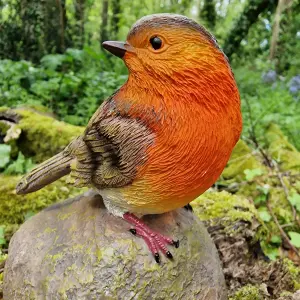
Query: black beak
point(116, 48)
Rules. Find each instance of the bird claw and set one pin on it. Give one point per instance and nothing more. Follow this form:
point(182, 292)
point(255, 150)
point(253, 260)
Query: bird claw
point(176, 243)
point(157, 258)
point(188, 207)
point(133, 231)
point(155, 241)
point(169, 255)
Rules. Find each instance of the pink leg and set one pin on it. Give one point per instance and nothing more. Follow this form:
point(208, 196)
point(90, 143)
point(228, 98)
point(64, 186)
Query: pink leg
point(154, 240)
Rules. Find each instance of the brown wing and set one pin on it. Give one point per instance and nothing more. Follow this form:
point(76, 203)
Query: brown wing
point(112, 148)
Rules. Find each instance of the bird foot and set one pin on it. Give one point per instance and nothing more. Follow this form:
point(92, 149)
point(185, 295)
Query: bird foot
point(155, 241)
point(188, 207)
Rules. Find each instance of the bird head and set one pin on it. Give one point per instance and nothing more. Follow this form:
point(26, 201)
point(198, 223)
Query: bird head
point(169, 47)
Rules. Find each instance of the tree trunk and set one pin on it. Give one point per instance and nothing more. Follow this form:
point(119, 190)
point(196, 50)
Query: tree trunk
point(79, 27)
point(282, 4)
point(248, 17)
point(31, 14)
point(62, 19)
point(104, 25)
point(116, 10)
point(54, 22)
point(208, 14)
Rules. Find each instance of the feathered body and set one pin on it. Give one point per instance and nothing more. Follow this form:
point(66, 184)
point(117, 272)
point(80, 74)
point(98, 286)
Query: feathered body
point(191, 103)
point(166, 135)
point(194, 136)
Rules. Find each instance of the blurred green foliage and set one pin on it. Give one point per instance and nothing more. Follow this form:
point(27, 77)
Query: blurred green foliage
point(8, 166)
point(265, 102)
point(4, 155)
point(72, 85)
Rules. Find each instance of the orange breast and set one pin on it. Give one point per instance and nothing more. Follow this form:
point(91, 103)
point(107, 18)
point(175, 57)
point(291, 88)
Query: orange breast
point(188, 156)
point(196, 132)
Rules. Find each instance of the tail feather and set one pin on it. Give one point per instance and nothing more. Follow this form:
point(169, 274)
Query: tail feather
point(45, 173)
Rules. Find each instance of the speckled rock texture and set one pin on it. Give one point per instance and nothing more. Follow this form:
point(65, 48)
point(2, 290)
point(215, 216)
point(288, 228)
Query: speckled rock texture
point(77, 250)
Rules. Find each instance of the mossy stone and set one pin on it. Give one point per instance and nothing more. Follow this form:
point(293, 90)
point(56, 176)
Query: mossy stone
point(42, 136)
point(77, 250)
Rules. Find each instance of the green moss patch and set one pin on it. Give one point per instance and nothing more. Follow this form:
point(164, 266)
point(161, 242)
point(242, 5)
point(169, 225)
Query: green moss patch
point(281, 149)
point(223, 206)
point(15, 208)
point(42, 136)
point(294, 272)
point(248, 292)
point(242, 158)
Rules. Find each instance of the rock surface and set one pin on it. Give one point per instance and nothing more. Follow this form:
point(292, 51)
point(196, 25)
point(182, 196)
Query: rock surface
point(76, 250)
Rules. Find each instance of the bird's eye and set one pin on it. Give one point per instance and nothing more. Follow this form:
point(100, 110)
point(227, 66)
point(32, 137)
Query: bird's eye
point(156, 42)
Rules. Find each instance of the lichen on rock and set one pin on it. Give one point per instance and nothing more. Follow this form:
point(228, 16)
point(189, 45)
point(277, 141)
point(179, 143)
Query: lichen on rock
point(77, 250)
